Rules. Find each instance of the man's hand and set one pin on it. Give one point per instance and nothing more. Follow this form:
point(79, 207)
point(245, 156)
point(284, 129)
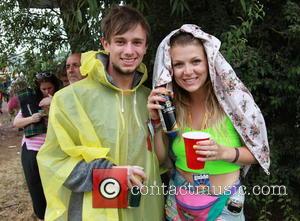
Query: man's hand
point(134, 173)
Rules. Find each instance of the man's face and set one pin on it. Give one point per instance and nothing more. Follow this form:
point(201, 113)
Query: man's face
point(72, 66)
point(126, 51)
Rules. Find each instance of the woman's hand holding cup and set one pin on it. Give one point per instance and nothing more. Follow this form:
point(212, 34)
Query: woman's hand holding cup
point(209, 150)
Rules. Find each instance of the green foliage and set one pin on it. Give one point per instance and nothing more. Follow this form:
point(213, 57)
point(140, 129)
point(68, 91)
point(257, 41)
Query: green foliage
point(262, 50)
point(28, 37)
point(291, 13)
point(235, 40)
point(179, 7)
point(140, 5)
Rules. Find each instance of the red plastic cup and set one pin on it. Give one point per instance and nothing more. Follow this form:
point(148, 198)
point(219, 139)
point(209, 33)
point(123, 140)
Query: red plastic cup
point(190, 139)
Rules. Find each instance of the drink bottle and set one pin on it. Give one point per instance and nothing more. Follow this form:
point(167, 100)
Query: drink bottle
point(167, 115)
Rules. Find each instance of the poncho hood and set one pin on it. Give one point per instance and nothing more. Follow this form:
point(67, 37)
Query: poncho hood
point(94, 68)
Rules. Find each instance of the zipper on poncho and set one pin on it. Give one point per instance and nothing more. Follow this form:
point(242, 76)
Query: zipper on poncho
point(134, 108)
point(135, 111)
point(122, 102)
point(121, 110)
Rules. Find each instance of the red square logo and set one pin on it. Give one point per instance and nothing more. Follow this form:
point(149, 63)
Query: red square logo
point(110, 188)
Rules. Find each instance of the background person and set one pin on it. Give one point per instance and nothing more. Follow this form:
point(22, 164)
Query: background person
point(73, 67)
point(100, 122)
point(208, 97)
point(13, 104)
point(47, 84)
point(62, 75)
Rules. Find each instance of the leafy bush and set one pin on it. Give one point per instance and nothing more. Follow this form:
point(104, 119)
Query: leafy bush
point(271, 69)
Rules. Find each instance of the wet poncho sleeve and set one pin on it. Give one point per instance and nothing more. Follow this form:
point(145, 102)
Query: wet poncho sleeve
point(64, 148)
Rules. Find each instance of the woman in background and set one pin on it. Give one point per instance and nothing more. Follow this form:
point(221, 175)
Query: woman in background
point(46, 85)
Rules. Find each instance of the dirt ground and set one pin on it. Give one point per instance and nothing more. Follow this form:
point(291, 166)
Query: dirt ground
point(15, 202)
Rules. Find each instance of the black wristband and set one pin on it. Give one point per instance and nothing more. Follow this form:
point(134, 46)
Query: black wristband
point(237, 155)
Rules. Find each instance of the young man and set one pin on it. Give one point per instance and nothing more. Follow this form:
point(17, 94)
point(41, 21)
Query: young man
point(73, 68)
point(101, 122)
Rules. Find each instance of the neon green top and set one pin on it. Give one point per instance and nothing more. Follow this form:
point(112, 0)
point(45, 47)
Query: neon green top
point(225, 135)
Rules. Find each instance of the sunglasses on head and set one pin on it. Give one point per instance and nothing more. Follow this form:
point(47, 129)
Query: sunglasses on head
point(42, 75)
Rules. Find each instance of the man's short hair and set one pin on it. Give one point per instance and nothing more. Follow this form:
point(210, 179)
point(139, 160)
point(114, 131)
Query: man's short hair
point(120, 19)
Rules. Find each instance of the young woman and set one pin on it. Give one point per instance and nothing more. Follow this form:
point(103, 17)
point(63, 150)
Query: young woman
point(47, 84)
point(208, 97)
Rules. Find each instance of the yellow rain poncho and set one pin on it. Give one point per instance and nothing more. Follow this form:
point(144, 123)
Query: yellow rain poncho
point(93, 119)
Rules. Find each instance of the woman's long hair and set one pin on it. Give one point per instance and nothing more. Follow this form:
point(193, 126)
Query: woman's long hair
point(213, 114)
